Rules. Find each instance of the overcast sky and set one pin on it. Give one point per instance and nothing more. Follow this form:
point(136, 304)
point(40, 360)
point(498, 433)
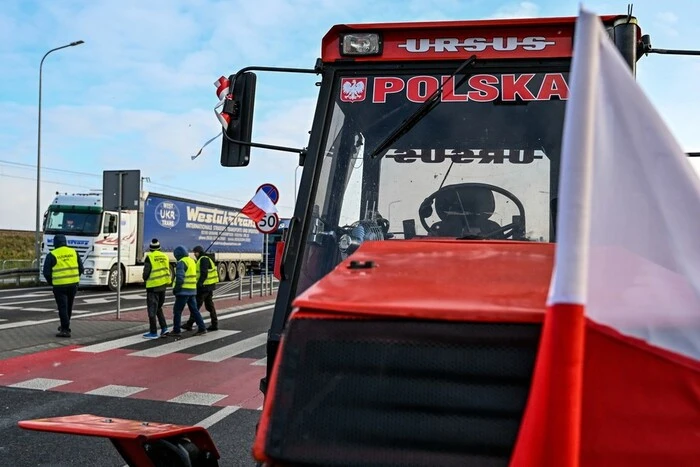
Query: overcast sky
point(139, 93)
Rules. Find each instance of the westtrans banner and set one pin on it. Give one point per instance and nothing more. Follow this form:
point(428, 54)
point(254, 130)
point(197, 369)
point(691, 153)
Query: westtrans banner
point(174, 221)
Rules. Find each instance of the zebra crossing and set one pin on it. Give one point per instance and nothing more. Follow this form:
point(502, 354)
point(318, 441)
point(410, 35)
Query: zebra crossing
point(220, 368)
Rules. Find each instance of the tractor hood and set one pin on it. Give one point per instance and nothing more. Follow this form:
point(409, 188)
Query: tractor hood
point(451, 280)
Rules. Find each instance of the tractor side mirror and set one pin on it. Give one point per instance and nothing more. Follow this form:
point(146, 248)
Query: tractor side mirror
point(235, 146)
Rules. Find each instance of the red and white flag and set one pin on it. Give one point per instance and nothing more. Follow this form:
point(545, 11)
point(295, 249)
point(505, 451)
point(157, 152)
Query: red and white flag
point(627, 263)
point(259, 206)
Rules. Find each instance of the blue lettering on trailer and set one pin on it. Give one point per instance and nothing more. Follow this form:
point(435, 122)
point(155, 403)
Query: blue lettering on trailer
point(179, 222)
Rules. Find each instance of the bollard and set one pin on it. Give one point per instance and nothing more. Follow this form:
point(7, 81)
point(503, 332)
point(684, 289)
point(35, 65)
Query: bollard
point(261, 283)
point(251, 284)
point(240, 287)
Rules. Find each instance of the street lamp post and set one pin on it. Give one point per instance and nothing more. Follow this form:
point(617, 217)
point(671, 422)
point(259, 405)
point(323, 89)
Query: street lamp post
point(37, 234)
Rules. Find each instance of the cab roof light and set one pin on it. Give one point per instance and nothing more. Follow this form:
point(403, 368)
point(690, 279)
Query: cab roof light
point(360, 44)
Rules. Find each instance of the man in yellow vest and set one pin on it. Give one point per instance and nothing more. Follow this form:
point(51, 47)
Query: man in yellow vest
point(156, 274)
point(185, 291)
point(207, 278)
point(62, 270)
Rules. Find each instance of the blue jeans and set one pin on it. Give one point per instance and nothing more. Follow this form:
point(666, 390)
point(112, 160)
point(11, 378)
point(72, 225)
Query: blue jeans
point(191, 302)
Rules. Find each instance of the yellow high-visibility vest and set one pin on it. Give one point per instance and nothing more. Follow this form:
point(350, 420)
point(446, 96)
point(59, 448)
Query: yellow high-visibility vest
point(160, 270)
point(212, 274)
point(65, 271)
point(190, 282)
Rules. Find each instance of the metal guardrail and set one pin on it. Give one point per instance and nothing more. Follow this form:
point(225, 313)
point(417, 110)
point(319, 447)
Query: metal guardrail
point(12, 274)
point(19, 276)
point(18, 272)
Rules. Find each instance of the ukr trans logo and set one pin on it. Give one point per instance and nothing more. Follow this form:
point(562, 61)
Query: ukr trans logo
point(167, 214)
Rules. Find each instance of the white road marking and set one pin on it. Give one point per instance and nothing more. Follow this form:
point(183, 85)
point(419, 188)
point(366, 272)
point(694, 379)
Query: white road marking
point(198, 398)
point(176, 346)
point(110, 345)
point(82, 314)
point(94, 301)
point(124, 294)
point(42, 384)
point(218, 416)
point(232, 350)
point(261, 362)
point(115, 390)
point(20, 324)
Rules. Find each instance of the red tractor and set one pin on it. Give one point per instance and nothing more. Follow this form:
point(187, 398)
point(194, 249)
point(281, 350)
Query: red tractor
point(415, 270)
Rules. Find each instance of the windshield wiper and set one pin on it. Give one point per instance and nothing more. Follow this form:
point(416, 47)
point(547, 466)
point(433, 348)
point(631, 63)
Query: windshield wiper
point(472, 237)
point(422, 111)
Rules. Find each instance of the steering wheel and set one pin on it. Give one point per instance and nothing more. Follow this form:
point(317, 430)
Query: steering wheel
point(463, 207)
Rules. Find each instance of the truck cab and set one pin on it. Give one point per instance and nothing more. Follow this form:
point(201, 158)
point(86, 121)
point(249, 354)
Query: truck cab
point(90, 230)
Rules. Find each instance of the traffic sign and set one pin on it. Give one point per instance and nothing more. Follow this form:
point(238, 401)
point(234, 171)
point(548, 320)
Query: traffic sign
point(271, 191)
point(268, 224)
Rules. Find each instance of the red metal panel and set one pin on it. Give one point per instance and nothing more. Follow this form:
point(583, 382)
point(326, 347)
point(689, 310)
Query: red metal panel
point(533, 38)
point(117, 428)
point(128, 436)
point(474, 281)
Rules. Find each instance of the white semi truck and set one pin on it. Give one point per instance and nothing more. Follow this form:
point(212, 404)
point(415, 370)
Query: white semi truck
point(92, 231)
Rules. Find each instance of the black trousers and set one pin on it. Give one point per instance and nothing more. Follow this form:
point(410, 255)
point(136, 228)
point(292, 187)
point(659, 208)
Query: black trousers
point(65, 295)
point(205, 297)
point(154, 303)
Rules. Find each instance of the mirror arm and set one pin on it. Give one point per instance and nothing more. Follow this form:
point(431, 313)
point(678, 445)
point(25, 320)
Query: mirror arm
point(264, 146)
point(646, 48)
point(672, 52)
point(232, 80)
point(316, 70)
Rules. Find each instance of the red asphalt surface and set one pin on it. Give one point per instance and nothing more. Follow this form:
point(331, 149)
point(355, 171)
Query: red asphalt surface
point(163, 378)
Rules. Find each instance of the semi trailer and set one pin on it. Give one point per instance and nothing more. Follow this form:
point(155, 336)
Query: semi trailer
point(231, 240)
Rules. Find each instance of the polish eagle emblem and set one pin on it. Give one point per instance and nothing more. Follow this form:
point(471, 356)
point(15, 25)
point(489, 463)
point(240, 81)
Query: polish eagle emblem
point(353, 89)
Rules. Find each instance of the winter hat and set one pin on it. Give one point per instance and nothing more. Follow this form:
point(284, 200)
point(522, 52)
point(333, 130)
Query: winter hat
point(155, 245)
point(198, 249)
point(180, 252)
point(59, 240)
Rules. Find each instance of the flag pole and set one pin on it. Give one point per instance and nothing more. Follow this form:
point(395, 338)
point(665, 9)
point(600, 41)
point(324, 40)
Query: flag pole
point(222, 231)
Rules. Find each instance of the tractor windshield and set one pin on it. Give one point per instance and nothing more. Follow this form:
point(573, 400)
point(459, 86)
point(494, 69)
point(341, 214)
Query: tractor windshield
point(482, 164)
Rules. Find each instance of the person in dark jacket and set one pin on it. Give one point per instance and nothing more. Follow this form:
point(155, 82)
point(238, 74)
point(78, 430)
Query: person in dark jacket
point(207, 278)
point(185, 291)
point(156, 275)
point(62, 270)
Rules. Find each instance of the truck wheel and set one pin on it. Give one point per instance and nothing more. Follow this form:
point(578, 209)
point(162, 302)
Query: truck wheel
point(241, 269)
point(222, 269)
point(172, 272)
point(112, 279)
point(231, 270)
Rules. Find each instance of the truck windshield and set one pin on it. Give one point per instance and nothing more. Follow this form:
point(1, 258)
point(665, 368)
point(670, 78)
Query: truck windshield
point(73, 221)
point(482, 164)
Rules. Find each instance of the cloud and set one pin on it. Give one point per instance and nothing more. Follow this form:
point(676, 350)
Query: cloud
point(517, 10)
point(667, 22)
point(139, 92)
point(18, 192)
